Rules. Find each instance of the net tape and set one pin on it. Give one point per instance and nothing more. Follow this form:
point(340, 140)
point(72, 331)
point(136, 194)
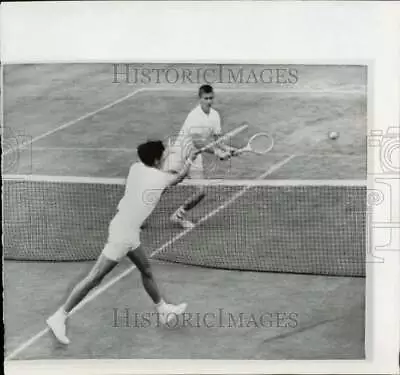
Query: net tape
point(311, 227)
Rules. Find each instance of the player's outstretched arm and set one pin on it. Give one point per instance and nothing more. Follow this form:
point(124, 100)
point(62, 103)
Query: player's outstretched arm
point(180, 176)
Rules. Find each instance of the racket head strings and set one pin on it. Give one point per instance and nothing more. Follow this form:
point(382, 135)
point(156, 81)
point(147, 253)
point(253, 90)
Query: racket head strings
point(260, 143)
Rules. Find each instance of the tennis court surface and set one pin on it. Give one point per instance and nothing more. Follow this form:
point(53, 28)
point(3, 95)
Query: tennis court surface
point(273, 270)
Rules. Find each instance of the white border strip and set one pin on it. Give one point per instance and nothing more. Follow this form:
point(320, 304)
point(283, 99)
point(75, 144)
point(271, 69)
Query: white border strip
point(217, 182)
point(188, 366)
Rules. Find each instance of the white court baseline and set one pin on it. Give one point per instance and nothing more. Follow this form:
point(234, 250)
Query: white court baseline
point(106, 286)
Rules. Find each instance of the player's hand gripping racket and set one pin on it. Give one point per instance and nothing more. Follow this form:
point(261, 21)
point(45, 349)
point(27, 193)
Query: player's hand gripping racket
point(260, 144)
point(225, 137)
point(194, 153)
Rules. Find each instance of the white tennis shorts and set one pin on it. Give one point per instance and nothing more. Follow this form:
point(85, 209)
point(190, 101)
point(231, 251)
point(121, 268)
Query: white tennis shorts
point(123, 236)
point(175, 162)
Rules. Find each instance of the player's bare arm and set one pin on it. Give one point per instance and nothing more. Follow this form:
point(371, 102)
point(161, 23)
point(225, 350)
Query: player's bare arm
point(179, 176)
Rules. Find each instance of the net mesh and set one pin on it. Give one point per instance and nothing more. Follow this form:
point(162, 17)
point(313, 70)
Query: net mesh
point(275, 226)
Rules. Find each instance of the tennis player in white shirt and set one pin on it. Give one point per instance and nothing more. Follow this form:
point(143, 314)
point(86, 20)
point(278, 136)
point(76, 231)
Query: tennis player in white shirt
point(145, 184)
point(202, 126)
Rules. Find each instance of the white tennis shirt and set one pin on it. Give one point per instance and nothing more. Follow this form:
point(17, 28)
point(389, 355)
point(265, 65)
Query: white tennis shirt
point(143, 190)
point(198, 123)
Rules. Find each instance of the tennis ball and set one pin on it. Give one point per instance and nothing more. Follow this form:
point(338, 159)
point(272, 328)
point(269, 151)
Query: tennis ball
point(333, 135)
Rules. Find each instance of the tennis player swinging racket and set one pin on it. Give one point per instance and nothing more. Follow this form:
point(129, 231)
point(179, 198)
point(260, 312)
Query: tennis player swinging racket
point(202, 124)
point(145, 184)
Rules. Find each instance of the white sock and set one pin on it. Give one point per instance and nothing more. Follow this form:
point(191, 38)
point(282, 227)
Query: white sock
point(161, 305)
point(61, 312)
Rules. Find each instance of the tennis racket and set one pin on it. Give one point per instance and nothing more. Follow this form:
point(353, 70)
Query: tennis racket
point(228, 135)
point(260, 144)
point(223, 138)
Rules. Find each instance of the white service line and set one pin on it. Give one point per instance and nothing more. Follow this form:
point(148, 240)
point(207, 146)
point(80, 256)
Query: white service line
point(73, 122)
point(103, 288)
point(283, 90)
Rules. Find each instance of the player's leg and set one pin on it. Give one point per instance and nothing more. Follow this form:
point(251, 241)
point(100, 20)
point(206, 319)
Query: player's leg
point(119, 241)
point(57, 321)
point(167, 311)
point(194, 200)
point(102, 267)
point(179, 216)
point(138, 257)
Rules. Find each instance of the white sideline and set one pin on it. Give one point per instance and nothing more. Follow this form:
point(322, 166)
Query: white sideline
point(103, 288)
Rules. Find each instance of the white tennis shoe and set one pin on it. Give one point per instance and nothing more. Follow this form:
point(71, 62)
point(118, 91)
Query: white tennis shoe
point(57, 325)
point(177, 218)
point(169, 312)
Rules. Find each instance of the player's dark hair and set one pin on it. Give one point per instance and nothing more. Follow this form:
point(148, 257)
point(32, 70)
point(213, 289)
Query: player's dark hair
point(205, 89)
point(150, 152)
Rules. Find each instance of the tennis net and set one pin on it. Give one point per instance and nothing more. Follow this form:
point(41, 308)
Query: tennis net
point(311, 227)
